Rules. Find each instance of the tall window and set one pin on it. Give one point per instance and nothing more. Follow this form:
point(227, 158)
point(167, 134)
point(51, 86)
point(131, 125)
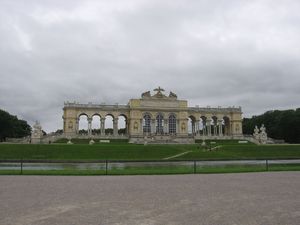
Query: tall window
point(172, 124)
point(147, 124)
point(159, 124)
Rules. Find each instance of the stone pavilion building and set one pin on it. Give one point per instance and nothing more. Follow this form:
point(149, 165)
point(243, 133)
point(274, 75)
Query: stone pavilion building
point(156, 118)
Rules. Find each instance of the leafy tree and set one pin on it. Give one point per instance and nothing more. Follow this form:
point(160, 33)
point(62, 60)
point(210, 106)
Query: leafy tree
point(280, 124)
point(12, 127)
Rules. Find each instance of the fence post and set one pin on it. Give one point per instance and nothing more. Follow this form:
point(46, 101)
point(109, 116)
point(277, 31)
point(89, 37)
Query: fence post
point(267, 165)
point(21, 166)
point(105, 167)
point(195, 167)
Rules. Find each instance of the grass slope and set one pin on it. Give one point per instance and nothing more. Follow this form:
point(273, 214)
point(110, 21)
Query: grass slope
point(91, 152)
point(124, 151)
point(247, 152)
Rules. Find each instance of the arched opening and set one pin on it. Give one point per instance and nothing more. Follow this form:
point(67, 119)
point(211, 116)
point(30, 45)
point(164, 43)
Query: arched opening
point(108, 125)
point(202, 125)
point(96, 124)
point(226, 126)
point(147, 124)
point(172, 124)
point(221, 126)
point(214, 125)
point(83, 124)
point(122, 125)
point(192, 125)
point(159, 124)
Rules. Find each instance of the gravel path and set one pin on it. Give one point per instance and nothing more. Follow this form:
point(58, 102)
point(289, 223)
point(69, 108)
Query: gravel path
point(218, 199)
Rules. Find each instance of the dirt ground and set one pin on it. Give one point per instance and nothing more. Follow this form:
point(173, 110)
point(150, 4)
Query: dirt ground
point(217, 199)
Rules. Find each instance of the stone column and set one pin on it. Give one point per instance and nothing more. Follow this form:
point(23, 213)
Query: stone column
point(153, 127)
point(197, 126)
point(204, 130)
point(64, 124)
point(208, 127)
point(77, 126)
point(115, 126)
point(215, 130)
point(102, 126)
point(166, 126)
point(193, 127)
point(90, 126)
point(226, 130)
point(127, 126)
point(230, 128)
point(141, 127)
point(220, 127)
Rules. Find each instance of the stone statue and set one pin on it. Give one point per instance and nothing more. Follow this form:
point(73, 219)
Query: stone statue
point(256, 133)
point(159, 90)
point(260, 134)
point(263, 134)
point(146, 94)
point(183, 127)
point(172, 95)
point(37, 125)
point(37, 133)
point(159, 93)
point(263, 129)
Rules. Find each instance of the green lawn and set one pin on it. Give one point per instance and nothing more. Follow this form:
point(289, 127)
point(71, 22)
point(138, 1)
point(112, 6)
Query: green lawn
point(110, 151)
point(124, 151)
point(118, 150)
point(247, 152)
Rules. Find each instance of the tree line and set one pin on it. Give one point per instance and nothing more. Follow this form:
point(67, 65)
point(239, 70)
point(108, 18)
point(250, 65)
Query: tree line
point(12, 127)
point(280, 124)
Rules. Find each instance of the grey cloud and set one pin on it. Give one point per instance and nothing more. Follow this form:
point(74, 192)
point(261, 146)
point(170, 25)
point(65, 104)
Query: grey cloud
point(209, 52)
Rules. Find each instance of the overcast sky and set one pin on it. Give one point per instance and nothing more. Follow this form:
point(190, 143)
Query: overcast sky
point(216, 53)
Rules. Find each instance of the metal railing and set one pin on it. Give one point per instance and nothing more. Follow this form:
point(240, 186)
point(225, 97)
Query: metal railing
point(120, 167)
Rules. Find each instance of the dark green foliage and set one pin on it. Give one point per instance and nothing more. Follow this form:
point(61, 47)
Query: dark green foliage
point(12, 127)
point(280, 124)
point(82, 131)
point(122, 131)
point(109, 131)
point(96, 131)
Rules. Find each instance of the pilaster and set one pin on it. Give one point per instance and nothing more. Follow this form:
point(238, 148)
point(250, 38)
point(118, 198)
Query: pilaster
point(102, 126)
point(208, 126)
point(115, 126)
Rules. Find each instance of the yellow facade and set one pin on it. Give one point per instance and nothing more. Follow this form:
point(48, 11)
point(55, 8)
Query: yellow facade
point(158, 117)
